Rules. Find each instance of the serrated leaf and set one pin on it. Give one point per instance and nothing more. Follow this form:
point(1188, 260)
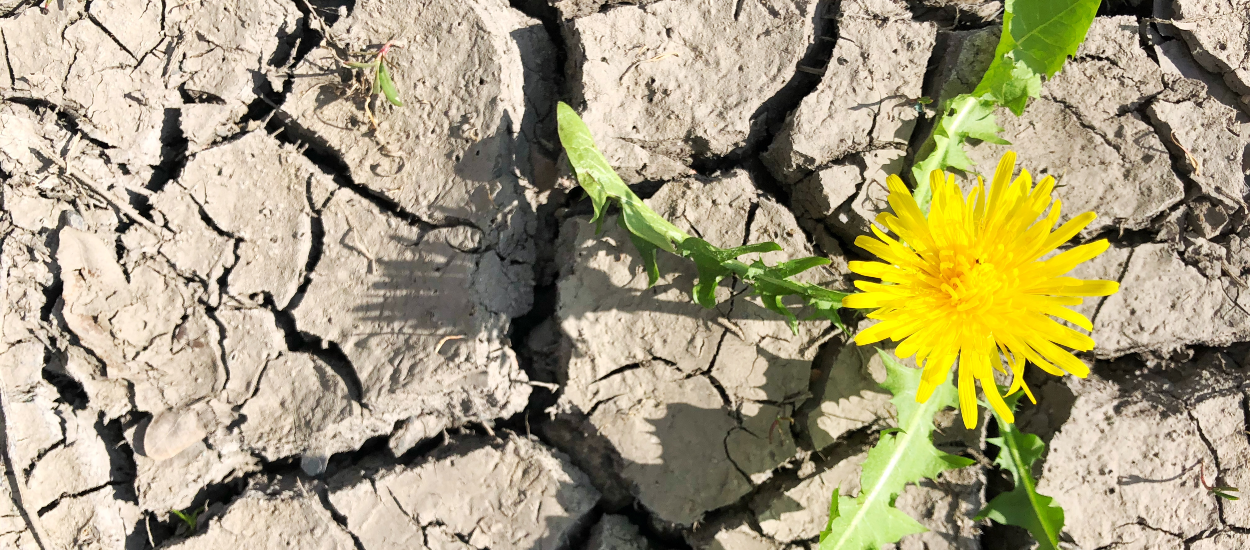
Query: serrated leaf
point(966, 116)
point(388, 85)
point(870, 521)
point(600, 181)
point(647, 252)
point(650, 233)
point(794, 267)
point(1037, 38)
point(1047, 32)
point(1009, 83)
point(1023, 506)
point(834, 513)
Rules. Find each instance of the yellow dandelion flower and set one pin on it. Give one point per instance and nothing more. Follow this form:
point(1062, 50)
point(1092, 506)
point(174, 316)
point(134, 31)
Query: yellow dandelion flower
point(968, 283)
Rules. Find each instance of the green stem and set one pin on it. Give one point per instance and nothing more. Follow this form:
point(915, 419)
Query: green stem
point(1010, 432)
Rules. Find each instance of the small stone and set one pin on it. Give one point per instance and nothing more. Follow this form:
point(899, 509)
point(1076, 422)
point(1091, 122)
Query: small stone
point(820, 194)
point(169, 432)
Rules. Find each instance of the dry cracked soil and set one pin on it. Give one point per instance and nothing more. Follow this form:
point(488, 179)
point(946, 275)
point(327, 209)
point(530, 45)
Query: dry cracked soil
point(227, 292)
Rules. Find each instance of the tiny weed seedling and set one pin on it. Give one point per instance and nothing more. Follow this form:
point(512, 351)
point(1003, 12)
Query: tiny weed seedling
point(382, 83)
point(191, 518)
point(1218, 491)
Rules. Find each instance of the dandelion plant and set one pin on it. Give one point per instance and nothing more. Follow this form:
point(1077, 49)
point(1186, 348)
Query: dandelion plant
point(968, 282)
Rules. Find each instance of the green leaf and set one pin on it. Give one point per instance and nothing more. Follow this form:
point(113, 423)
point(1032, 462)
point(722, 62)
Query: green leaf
point(646, 251)
point(357, 65)
point(708, 260)
point(191, 519)
point(651, 233)
point(1009, 83)
point(600, 181)
point(870, 521)
point(834, 513)
point(388, 86)
point(966, 116)
point(1023, 506)
point(1222, 492)
point(1047, 32)
point(1037, 38)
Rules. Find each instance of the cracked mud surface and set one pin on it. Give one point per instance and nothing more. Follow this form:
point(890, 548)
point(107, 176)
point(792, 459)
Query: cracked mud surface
point(226, 292)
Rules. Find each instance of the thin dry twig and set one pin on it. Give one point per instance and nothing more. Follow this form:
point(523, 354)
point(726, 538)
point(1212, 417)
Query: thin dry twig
point(86, 181)
point(446, 339)
point(1193, 161)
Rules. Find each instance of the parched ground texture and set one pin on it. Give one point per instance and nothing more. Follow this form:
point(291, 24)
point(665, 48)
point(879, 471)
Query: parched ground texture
point(226, 292)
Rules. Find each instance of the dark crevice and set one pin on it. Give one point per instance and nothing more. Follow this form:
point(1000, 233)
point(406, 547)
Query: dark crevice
point(287, 473)
point(724, 396)
point(51, 505)
point(767, 120)
point(324, 497)
point(221, 232)
point(620, 370)
point(327, 351)
point(288, 131)
point(122, 468)
point(955, 16)
point(198, 97)
point(1119, 278)
point(519, 332)
point(317, 236)
point(787, 476)
point(1245, 411)
point(8, 63)
point(720, 342)
point(1217, 86)
point(1136, 8)
point(1215, 459)
point(268, 100)
point(66, 119)
point(1180, 161)
point(19, 8)
point(173, 161)
point(640, 518)
point(1084, 124)
point(222, 332)
point(729, 455)
point(51, 293)
point(932, 86)
point(328, 10)
point(546, 13)
point(1144, 41)
point(10, 474)
point(71, 392)
point(112, 36)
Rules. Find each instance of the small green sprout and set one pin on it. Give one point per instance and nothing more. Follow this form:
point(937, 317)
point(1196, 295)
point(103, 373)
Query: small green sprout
point(382, 81)
point(1219, 491)
point(190, 518)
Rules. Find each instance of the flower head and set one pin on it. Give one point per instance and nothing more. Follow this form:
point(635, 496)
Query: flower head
point(968, 283)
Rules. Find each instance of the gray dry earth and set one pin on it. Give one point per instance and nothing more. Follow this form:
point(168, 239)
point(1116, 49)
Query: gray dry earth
point(224, 292)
